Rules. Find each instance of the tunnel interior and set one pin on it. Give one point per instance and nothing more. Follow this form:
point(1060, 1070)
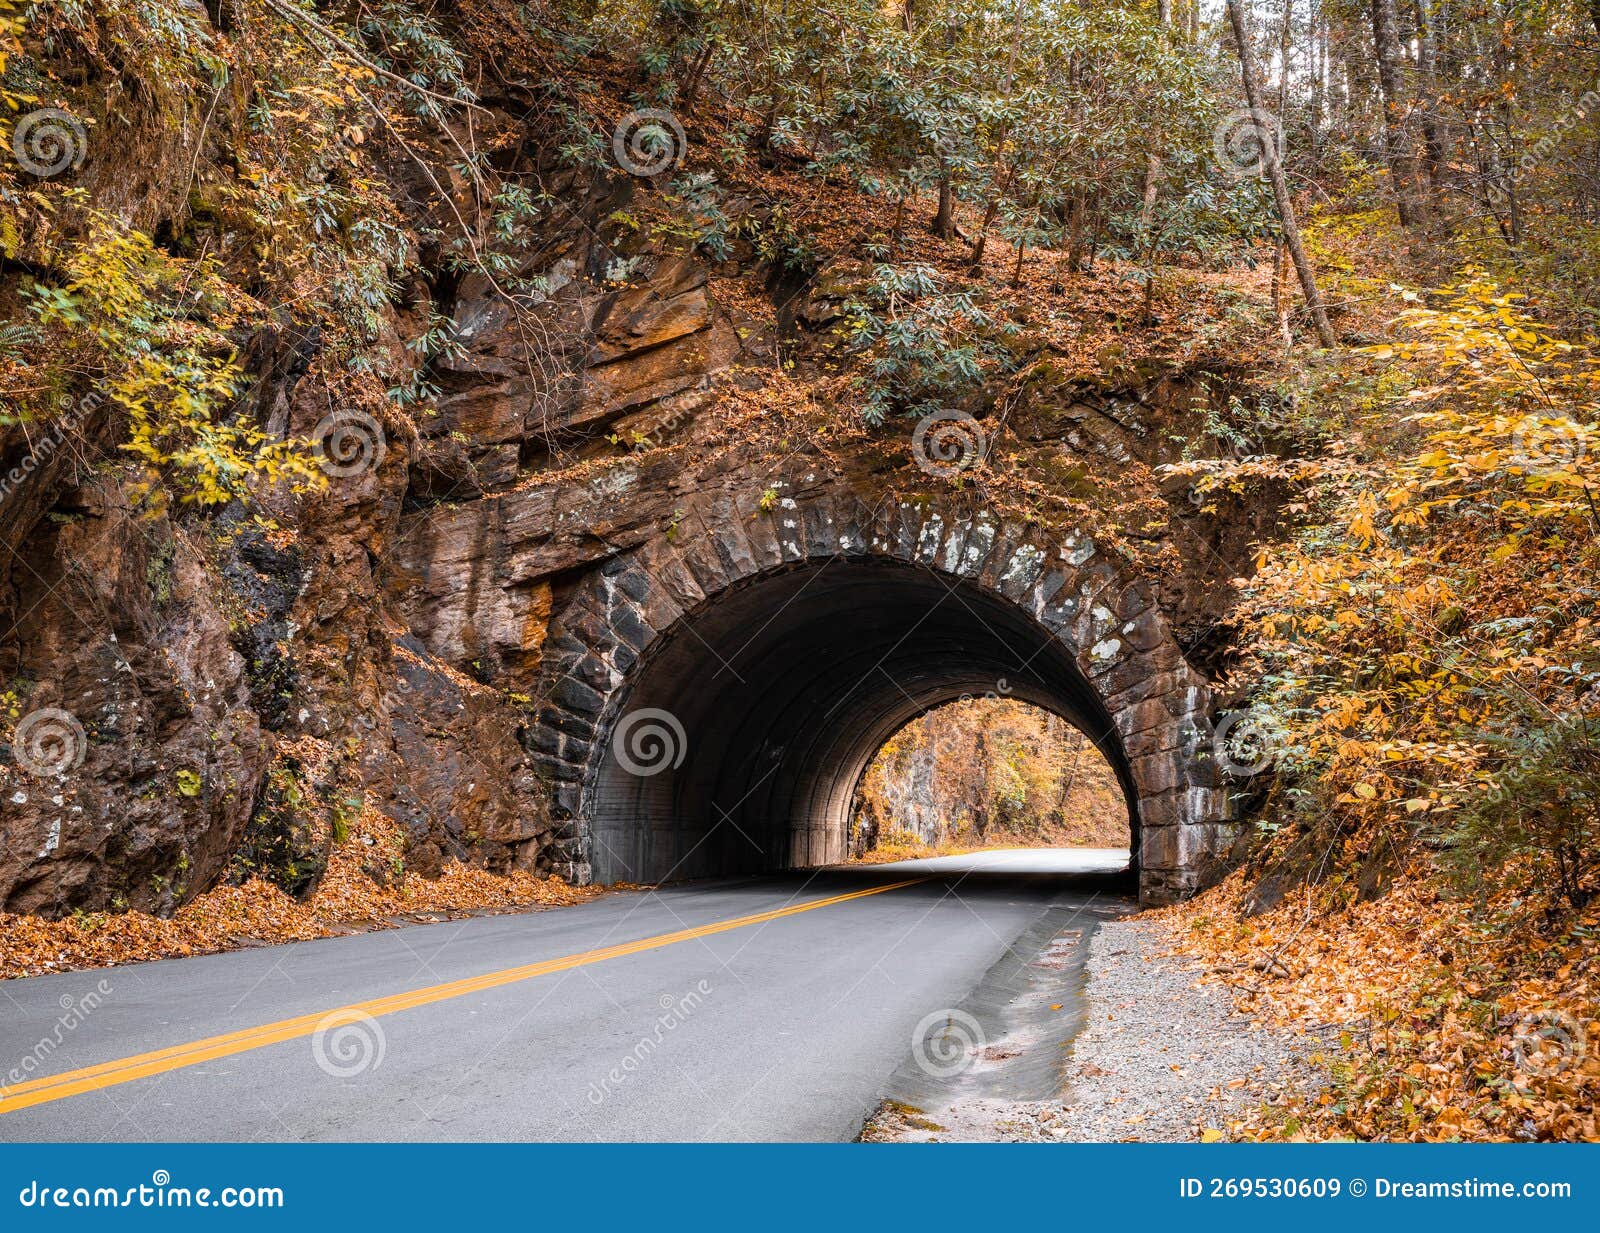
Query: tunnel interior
point(738, 740)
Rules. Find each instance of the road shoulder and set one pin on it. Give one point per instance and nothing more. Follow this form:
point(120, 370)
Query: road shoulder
point(1162, 1057)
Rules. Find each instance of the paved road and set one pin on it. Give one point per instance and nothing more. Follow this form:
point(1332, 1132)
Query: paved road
point(772, 1008)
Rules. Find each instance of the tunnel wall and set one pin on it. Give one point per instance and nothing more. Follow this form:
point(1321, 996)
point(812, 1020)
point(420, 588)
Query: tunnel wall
point(1101, 618)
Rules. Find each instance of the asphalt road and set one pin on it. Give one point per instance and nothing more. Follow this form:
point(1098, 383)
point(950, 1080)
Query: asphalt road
point(660, 1015)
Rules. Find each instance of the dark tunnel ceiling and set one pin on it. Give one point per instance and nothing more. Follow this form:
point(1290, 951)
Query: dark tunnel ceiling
point(784, 688)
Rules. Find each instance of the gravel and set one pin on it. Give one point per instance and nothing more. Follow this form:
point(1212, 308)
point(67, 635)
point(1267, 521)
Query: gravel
point(1162, 1058)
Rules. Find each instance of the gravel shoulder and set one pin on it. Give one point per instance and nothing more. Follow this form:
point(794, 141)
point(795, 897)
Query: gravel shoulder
point(1161, 1058)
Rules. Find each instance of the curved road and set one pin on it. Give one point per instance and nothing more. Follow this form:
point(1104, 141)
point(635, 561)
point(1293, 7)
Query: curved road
point(772, 1008)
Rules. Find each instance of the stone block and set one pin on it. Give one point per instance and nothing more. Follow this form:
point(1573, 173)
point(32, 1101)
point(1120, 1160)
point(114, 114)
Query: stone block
point(573, 695)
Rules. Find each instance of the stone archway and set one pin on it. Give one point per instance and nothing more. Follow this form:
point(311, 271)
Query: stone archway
point(714, 693)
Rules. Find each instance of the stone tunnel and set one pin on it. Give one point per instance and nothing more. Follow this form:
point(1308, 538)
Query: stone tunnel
point(715, 693)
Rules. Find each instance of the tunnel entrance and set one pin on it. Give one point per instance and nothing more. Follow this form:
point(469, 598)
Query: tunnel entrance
point(988, 772)
point(737, 741)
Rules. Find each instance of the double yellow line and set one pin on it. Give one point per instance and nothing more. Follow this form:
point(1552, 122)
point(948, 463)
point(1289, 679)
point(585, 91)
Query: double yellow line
point(126, 1070)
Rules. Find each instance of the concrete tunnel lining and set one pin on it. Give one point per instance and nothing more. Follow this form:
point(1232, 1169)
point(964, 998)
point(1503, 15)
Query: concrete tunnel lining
point(782, 688)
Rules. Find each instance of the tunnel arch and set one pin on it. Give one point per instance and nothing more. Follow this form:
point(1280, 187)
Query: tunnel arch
point(714, 695)
point(783, 688)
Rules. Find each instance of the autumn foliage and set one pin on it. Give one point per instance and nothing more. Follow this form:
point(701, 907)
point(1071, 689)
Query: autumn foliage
point(987, 772)
point(1424, 660)
point(348, 899)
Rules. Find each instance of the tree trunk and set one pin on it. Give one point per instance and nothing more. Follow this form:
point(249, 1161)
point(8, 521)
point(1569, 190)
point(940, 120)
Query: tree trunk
point(1386, 41)
point(1503, 153)
point(1076, 210)
point(1097, 231)
point(1433, 141)
point(975, 260)
point(1068, 779)
point(1152, 176)
point(1280, 294)
point(944, 221)
point(692, 90)
point(1318, 52)
point(1280, 186)
point(1152, 160)
point(1283, 61)
point(1284, 45)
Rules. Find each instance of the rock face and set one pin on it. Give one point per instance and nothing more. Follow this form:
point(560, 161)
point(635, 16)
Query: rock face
point(138, 774)
point(455, 629)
